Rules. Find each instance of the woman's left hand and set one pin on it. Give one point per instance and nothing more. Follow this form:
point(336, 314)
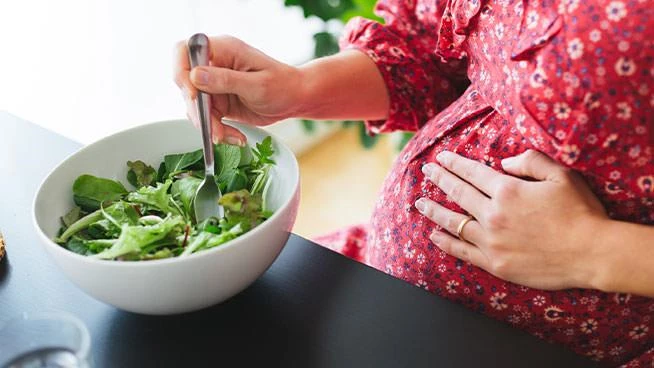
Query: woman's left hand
point(534, 233)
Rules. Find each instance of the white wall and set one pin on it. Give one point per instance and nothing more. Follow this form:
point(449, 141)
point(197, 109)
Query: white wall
point(89, 68)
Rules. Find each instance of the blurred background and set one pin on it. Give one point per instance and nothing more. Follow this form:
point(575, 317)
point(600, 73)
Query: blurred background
point(86, 69)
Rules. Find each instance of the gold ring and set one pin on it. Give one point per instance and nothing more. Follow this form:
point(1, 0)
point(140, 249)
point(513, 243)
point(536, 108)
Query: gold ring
point(462, 224)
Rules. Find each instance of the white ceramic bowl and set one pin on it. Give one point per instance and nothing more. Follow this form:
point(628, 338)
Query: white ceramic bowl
point(173, 285)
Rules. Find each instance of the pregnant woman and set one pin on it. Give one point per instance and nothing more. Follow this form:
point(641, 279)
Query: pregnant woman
point(557, 239)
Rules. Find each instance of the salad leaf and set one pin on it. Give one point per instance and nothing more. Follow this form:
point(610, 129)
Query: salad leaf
point(162, 172)
point(114, 216)
point(241, 208)
point(157, 197)
point(206, 240)
point(89, 192)
point(71, 217)
point(228, 157)
point(246, 156)
point(179, 162)
point(228, 160)
point(88, 247)
point(261, 165)
point(122, 213)
point(233, 180)
point(141, 174)
point(209, 225)
point(79, 225)
point(264, 151)
point(185, 189)
point(156, 220)
point(133, 238)
point(160, 254)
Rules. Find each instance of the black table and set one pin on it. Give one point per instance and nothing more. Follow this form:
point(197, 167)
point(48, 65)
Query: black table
point(312, 308)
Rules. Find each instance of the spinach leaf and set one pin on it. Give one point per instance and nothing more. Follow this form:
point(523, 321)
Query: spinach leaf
point(157, 197)
point(162, 173)
point(239, 182)
point(177, 163)
point(90, 191)
point(228, 160)
point(228, 157)
point(77, 245)
point(141, 174)
point(133, 238)
point(71, 217)
point(246, 156)
point(185, 190)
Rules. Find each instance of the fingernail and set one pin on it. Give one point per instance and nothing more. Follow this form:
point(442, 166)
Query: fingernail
point(436, 236)
point(444, 157)
point(428, 169)
point(508, 162)
point(201, 76)
point(421, 205)
point(234, 141)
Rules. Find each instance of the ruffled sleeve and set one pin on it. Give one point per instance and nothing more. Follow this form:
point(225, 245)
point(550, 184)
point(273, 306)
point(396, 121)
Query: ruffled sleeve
point(419, 80)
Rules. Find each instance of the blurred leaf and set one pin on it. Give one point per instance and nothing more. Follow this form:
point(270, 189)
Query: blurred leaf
point(348, 123)
point(309, 125)
point(406, 137)
point(323, 9)
point(326, 44)
point(367, 140)
point(362, 8)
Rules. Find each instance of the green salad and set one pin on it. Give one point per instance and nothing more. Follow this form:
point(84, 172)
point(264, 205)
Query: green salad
point(157, 220)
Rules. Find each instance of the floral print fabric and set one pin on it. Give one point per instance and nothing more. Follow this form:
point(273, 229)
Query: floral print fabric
point(490, 79)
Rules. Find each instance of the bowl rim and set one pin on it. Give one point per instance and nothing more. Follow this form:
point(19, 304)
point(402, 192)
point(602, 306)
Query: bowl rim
point(157, 262)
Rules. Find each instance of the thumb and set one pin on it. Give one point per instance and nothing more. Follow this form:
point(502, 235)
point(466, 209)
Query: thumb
point(532, 164)
point(220, 80)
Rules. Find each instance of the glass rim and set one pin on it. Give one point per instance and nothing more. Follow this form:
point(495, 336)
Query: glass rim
point(81, 352)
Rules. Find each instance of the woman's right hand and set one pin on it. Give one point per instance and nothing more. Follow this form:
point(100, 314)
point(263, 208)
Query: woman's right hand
point(245, 85)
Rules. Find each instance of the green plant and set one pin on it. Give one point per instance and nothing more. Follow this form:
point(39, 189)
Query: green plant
point(326, 42)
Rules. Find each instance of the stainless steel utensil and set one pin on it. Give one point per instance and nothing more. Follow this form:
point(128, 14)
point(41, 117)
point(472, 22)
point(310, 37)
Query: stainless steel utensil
point(208, 193)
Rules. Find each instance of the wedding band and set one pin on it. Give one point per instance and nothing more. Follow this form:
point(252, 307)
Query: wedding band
point(462, 224)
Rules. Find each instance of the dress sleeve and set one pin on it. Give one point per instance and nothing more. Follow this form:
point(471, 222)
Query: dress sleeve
point(419, 82)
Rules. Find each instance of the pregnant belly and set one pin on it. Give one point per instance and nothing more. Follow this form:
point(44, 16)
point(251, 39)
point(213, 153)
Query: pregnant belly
point(587, 321)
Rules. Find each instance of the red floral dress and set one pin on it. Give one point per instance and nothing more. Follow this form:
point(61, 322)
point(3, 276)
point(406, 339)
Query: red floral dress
point(489, 79)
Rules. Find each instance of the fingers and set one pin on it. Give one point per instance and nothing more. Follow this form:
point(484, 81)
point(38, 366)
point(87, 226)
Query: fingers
point(450, 220)
point(181, 70)
point(220, 132)
point(476, 173)
point(221, 80)
point(234, 136)
point(217, 129)
point(457, 190)
point(460, 249)
point(533, 164)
